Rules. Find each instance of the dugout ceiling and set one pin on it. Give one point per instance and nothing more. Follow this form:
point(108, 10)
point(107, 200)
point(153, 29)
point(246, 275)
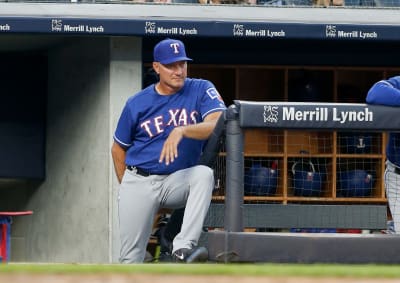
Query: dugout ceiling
point(310, 52)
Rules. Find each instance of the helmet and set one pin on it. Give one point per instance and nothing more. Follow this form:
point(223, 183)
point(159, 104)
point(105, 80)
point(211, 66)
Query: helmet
point(260, 181)
point(306, 182)
point(355, 183)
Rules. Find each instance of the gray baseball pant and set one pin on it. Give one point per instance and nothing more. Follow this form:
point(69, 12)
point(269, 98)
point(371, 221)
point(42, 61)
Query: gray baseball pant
point(141, 197)
point(392, 186)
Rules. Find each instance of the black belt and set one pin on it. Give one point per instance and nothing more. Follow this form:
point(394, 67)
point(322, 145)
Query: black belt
point(139, 171)
point(396, 170)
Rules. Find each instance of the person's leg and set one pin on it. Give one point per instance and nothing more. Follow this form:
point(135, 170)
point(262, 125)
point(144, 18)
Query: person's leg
point(392, 186)
point(167, 233)
point(174, 224)
point(137, 208)
point(193, 187)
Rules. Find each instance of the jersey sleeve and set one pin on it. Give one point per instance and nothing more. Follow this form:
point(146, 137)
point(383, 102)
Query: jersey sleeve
point(123, 133)
point(385, 92)
point(211, 100)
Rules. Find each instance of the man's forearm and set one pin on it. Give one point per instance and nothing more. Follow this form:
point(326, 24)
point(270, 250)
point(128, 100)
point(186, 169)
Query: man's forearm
point(203, 130)
point(119, 170)
point(118, 155)
point(199, 131)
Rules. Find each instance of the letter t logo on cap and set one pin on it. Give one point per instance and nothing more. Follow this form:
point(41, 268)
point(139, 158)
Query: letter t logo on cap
point(169, 51)
point(175, 46)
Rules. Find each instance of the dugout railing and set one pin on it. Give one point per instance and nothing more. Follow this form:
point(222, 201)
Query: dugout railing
point(234, 215)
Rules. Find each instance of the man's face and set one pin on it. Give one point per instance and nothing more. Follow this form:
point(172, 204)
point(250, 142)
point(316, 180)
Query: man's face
point(172, 75)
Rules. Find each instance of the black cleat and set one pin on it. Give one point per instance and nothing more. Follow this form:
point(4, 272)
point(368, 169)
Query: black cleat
point(181, 255)
point(199, 254)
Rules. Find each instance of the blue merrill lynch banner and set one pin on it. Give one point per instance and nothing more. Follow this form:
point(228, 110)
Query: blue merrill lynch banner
point(187, 28)
point(301, 115)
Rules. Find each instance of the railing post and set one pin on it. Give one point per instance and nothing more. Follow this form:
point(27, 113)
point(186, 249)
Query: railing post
point(234, 172)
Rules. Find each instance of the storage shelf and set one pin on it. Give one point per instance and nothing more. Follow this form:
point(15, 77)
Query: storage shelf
point(263, 154)
point(359, 156)
point(327, 148)
point(298, 155)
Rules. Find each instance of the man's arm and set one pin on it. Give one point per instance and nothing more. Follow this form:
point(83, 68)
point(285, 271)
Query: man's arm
point(203, 130)
point(118, 154)
point(384, 92)
point(200, 131)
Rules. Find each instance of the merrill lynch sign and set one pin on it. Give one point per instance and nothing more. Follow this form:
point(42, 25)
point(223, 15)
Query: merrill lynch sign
point(301, 115)
point(322, 114)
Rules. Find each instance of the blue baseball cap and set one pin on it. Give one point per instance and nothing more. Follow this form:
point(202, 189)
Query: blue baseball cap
point(169, 51)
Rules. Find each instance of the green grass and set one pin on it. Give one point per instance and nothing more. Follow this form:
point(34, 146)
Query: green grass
point(313, 270)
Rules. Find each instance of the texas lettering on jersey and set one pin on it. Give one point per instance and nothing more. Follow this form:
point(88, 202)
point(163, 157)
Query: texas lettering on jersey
point(148, 118)
point(176, 117)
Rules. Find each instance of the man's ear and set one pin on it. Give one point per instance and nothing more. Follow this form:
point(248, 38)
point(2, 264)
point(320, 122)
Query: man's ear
point(156, 67)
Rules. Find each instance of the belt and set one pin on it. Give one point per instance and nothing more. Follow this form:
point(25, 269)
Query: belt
point(138, 171)
point(396, 170)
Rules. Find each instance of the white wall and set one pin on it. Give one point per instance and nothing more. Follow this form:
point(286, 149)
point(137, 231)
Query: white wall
point(125, 80)
point(75, 216)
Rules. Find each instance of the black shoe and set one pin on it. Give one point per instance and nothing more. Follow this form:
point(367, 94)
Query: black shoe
point(165, 257)
point(181, 255)
point(199, 254)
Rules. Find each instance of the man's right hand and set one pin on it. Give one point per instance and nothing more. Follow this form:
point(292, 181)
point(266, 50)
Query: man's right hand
point(118, 154)
point(169, 151)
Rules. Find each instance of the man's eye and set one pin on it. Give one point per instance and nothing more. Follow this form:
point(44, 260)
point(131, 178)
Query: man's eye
point(168, 66)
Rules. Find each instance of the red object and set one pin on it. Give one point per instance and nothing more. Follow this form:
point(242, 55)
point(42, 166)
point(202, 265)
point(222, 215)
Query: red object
point(5, 231)
point(3, 242)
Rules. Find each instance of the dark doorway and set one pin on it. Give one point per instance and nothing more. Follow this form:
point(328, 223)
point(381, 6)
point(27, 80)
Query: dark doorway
point(23, 92)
